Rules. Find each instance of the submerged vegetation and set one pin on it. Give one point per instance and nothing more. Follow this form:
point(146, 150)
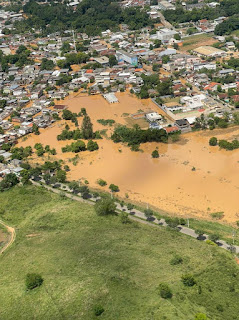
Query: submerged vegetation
point(136, 136)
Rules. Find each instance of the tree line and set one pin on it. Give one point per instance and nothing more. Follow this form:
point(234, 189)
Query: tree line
point(90, 16)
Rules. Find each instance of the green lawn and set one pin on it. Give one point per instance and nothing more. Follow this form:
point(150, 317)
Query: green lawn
point(87, 260)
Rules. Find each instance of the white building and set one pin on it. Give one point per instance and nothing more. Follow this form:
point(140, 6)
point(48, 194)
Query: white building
point(110, 97)
point(165, 34)
point(194, 102)
point(153, 117)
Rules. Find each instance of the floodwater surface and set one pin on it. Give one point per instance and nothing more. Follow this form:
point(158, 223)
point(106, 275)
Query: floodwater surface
point(189, 178)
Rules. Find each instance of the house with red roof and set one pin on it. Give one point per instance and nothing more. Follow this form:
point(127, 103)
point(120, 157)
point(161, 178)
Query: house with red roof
point(212, 86)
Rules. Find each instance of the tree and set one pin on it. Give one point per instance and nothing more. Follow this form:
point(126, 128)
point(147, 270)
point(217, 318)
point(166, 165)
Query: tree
point(35, 129)
point(113, 188)
point(8, 182)
point(67, 114)
point(213, 141)
point(214, 237)
point(130, 206)
point(199, 232)
point(155, 154)
point(98, 310)
point(112, 61)
point(124, 217)
point(144, 93)
point(172, 222)
point(84, 190)
point(105, 206)
point(61, 175)
point(87, 128)
point(165, 59)
point(6, 146)
point(33, 280)
point(101, 182)
point(47, 64)
point(25, 176)
point(148, 213)
point(188, 280)
point(74, 186)
point(78, 146)
point(92, 145)
point(164, 291)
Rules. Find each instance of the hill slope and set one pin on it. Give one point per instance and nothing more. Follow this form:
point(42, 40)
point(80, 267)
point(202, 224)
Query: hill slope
point(87, 260)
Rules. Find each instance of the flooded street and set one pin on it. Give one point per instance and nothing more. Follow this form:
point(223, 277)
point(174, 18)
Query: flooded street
point(190, 177)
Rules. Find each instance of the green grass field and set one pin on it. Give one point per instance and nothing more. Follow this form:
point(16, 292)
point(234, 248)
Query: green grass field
point(87, 260)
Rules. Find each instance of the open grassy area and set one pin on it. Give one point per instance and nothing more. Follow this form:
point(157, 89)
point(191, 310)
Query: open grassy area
point(87, 260)
point(235, 33)
point(195, 41)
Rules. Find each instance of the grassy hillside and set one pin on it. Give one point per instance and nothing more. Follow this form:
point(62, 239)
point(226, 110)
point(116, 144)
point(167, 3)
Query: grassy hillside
point(87, 260)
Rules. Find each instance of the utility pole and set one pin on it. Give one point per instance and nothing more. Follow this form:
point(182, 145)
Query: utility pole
point(233, 237)
point(188, 222)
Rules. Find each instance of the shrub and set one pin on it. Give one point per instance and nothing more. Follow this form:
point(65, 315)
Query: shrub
point(101, 182)
point(182, 221)
point(98, 310)
point(135, 147)
point(155, 154)
point(105, 207)
point(124, 217)
point(237, 223)
point(130, 206)
point(188, 280)
point(199, 232)
point(33, 280)
point(148, 213)
point(114, 188)
point(172, 222)
point(164, 291)
point(92, 145)
point(211, 243)
point(214, 237)
point(201, 316)
point(176, 260)
point(217, 215)
point(213, 141)
point(106, 122)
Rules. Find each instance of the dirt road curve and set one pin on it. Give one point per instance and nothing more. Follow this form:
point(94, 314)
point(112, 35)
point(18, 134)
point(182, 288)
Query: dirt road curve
point(12, 236)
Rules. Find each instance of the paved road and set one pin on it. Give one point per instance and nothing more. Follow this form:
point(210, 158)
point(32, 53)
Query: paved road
point(138, 216)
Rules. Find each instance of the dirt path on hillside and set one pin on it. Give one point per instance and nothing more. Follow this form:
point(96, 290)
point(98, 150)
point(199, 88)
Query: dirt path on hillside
point(12, 233)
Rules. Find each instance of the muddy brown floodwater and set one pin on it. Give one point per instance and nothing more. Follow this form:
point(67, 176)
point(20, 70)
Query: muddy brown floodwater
point(169, 182)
